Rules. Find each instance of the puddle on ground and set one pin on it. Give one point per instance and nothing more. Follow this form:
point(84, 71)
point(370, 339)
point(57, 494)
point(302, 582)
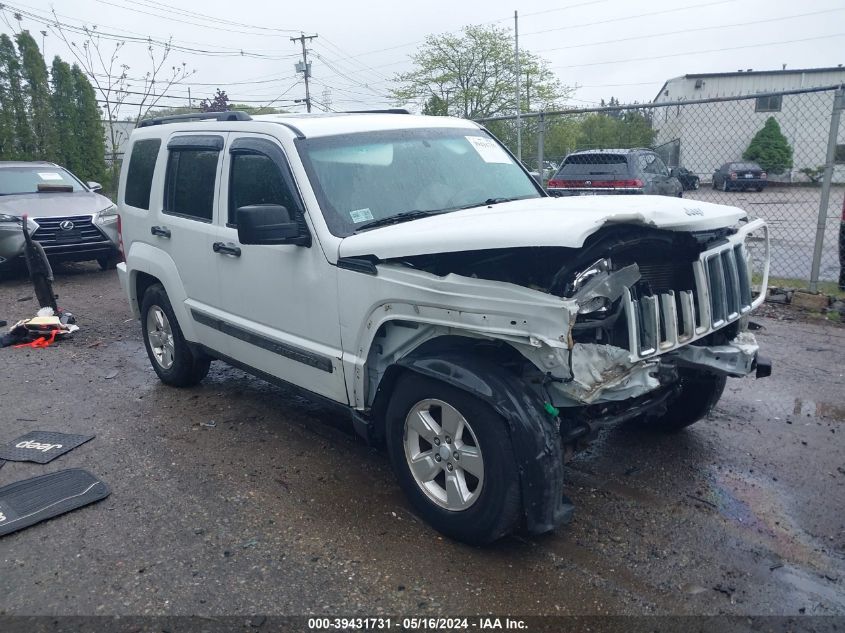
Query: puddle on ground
point(756, 508)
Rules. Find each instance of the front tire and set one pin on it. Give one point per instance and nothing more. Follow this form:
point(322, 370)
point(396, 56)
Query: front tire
point(453, 458)
point(698, 395)
point(170, 355)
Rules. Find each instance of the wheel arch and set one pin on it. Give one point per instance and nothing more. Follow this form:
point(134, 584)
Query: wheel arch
point(147, 266)
point(482, 371)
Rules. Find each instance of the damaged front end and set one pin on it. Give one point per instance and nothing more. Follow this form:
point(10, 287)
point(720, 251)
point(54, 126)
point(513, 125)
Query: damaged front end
point(639, 306)
point(582, 338)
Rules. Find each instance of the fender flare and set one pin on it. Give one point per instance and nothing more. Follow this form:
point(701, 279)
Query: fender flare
point(534, 435)
point(157, 263)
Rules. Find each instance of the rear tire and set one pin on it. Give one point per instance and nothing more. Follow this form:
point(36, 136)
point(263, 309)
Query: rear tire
point(486, 503)
point(171, 357)
point(725, 185)
point(759, 189)
point(699, 394)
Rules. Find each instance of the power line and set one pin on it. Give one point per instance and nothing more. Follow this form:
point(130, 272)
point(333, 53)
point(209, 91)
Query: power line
point(629, 17)
point(55, 24)
point(170, 8)
point(703, 28)
point(701, 52)
point(52, 15)
point(170, 18)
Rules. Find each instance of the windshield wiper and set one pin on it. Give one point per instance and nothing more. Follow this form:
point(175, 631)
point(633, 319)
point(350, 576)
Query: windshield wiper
point(489, 201)
point(396, 219)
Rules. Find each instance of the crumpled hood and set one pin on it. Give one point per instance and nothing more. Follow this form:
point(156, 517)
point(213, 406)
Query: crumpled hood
point(42, 205)
point(536, 222)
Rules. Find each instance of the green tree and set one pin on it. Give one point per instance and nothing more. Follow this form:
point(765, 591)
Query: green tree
point(770, 149)
point(37, 92)
point(92, 144)
point(14, 111)
point(218, 103)
point(473, 74)
point(435, 106)
point(66, 116)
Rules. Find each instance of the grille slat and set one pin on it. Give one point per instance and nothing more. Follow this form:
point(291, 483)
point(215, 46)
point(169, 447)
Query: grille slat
point(666, 320)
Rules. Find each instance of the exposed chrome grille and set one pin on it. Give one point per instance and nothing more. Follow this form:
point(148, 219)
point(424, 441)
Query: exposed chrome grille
point(68, 234)
point(666, 320)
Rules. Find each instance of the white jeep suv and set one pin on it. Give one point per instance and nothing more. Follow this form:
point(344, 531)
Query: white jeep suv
point(408, 271)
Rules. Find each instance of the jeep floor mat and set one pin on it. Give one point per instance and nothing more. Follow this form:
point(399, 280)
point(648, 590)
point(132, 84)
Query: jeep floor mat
point(25, 503)
point(41, 446)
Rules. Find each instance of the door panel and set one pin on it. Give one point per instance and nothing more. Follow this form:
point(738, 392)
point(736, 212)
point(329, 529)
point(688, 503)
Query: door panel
point(279, 302)
point(185, 228)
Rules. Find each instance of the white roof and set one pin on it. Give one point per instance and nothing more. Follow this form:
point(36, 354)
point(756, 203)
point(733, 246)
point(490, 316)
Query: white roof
point(327, 124)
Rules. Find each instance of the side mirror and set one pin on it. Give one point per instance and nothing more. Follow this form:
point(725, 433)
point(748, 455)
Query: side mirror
point(673, 171)
point(94, 186)
point(267, 224)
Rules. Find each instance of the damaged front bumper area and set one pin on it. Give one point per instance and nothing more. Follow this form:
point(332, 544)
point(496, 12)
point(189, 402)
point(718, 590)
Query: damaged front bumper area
point(647, 335)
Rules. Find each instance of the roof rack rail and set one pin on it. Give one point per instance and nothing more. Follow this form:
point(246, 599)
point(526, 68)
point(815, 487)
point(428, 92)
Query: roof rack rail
point(385, 111)
point(229, 115)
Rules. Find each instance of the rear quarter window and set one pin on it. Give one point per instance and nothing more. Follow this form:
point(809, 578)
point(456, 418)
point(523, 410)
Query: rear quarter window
point(139, 177)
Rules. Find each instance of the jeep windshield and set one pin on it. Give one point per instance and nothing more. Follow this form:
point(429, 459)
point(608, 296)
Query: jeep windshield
point(40, 179)
point(363, 180)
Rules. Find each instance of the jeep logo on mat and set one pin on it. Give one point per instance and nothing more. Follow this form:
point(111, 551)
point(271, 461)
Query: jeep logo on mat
point(66, 225)
point(37, 446)
point(2, 517)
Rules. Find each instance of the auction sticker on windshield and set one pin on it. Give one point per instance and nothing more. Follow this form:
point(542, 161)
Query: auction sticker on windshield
point(361, 215)
point(49, 175)
point(488, 149)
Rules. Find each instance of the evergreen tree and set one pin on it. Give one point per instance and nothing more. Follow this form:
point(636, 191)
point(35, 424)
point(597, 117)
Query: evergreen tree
point(22, 140)
point(770, 149)
point(34, 73)
point(7, 119)
point(66, 117)
point(92, 144)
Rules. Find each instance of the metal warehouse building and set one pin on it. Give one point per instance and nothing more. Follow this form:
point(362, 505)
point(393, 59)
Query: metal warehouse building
point(703, 136)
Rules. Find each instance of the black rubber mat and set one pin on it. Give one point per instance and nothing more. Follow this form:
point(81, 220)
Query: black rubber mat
point(25, 503)
point(41, 446)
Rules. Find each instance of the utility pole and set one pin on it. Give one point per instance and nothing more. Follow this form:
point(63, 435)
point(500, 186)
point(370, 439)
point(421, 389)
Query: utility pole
point(516, 91)
point(304, 67)
point(190, 101)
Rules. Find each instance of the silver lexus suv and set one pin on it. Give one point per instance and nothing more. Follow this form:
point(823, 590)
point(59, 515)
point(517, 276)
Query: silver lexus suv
point(69, 218)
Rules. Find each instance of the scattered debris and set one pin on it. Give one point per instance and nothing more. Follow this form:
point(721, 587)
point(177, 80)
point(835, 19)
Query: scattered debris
point(775, 566)
point(111, 374)
point(704, 501)
point(693, 589)
point(209, 425)
point(810, 301)
point(250, 543)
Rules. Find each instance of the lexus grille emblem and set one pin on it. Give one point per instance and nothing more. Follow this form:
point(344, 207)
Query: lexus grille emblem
point(588, 182)
point(66, 225)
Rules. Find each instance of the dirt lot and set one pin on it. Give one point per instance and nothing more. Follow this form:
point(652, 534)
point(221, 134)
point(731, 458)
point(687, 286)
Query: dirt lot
point(237, 497)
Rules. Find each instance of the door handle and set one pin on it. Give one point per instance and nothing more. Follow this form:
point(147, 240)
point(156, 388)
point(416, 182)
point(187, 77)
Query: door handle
point(226, 249)
point(161, 231)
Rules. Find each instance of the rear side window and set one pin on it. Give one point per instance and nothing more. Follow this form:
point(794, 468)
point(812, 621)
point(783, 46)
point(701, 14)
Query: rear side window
point(594, 165)
point(256, 179)
point(139, 178)
point(189, 187)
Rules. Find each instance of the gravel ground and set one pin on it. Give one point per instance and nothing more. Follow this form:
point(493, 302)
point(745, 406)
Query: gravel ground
point(236, 497)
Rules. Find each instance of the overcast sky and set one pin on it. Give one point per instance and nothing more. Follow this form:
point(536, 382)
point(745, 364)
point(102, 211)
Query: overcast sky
point(605, 47)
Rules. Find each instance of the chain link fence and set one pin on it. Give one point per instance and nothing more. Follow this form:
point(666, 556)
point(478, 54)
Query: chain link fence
point(792, 175)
